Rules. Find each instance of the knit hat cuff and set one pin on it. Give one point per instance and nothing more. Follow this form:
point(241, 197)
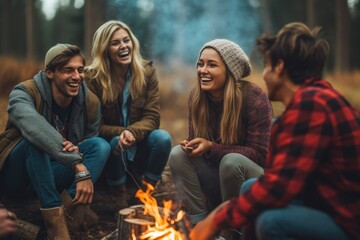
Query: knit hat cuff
point(233, 56)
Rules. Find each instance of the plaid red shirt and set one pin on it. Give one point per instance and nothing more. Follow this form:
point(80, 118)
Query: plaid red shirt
point(314, 156)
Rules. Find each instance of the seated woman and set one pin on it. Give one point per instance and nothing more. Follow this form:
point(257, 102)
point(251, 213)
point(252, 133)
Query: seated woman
point(128, 90)
point(229, 130)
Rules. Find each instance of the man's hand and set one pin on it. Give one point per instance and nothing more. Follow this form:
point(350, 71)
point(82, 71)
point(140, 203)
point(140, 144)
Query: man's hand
point(206, 228)
point(84, 188)
point(7, 222)
point(84, 192)
point(127, 139)
point(69, 146)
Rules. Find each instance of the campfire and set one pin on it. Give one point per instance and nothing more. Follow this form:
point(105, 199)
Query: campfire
point(150, 221)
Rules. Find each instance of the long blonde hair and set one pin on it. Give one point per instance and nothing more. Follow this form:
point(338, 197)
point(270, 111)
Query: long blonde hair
point(100, 69)
point(231, 125)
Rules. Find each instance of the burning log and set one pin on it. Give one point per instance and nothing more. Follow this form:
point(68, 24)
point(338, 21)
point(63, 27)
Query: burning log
point(132, 222)
point(123, 228)
point(151, 222)
point(184, 227)
point(164, 223)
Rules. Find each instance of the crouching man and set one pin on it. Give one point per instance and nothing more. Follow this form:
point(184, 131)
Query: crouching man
point(50, 146)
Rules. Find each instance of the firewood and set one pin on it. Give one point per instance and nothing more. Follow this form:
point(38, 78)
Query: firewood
point(132, 221)
point(26, 230)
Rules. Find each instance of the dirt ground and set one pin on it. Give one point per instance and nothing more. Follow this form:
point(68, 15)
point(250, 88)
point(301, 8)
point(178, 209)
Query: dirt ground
point(28, 209)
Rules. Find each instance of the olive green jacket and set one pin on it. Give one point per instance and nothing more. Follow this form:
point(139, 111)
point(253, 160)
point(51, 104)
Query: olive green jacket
point(144, 111)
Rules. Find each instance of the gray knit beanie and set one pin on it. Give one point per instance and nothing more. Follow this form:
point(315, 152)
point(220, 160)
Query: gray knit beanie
point(233, 56)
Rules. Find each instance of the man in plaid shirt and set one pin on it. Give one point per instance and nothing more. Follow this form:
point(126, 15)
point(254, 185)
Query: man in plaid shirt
point(311, 185)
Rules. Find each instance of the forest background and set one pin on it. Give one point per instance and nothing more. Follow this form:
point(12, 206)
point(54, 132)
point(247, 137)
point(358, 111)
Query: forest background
point(171, 32)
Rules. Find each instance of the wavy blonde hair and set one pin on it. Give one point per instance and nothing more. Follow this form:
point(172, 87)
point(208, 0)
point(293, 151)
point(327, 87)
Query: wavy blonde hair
point(100, 69)
point(231, 125)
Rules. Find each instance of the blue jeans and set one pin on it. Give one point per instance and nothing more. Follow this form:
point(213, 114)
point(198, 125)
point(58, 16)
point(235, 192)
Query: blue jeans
point(27, 168)
point(156, 149)
point(295, 221)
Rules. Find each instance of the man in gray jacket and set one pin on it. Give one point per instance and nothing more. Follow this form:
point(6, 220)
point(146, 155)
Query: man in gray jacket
point(50, 144)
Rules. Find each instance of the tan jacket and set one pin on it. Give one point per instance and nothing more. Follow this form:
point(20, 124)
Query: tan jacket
point(144, 112)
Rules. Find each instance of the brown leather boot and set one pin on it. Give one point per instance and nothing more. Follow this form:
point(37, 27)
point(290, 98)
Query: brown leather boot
point(55, 224)
point(78, 217)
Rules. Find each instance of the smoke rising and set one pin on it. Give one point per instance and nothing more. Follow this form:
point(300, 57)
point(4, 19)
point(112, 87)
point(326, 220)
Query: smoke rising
point(175, 30)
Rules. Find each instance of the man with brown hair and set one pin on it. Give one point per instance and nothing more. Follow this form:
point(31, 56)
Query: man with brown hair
point(50, 144)
point(311, 185)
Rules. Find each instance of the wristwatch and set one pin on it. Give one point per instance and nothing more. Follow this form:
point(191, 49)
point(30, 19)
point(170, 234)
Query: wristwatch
point(82, 174)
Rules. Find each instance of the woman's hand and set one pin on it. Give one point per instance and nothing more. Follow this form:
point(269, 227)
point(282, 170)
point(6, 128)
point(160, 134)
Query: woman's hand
point(196, 147)
point(127, 139)
point(7, 222)
point(185, 146)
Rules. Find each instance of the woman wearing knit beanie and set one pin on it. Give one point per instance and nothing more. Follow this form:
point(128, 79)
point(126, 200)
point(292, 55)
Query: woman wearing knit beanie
point(229, 131)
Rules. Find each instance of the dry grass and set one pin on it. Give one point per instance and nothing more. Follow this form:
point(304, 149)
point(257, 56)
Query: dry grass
point(349, 85)
point(175, 85)
point(14, 71)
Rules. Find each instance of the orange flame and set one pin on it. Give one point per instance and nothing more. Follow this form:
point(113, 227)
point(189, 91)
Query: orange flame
point(163, 229)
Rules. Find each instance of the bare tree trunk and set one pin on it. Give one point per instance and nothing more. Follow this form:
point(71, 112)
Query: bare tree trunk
point(5, 11)
point(29, 13)
point(266, 15)
point(310, 13)
point(94, 17)
point(342, 36)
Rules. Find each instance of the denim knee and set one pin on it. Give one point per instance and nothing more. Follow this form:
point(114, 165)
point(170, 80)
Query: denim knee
point(266, 225)
point(161, 139)
point(247, 184)
point(96, 145)
point(114, 142)
point(101, 146)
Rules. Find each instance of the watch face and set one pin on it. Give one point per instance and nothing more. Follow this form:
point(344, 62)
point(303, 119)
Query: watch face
point(82, 174)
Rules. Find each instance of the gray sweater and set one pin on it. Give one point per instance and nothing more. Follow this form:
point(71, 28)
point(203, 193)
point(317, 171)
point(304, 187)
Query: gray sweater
point(36, 126)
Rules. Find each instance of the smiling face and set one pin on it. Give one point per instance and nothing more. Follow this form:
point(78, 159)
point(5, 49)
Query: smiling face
point(211, 72)
point(120, 49)
point(65, 82)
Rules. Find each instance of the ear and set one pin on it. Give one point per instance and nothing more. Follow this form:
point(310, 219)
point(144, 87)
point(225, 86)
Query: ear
point(49, 74)
point(279, 67)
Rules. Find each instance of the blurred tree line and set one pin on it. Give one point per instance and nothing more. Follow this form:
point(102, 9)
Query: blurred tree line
point(27, 33)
